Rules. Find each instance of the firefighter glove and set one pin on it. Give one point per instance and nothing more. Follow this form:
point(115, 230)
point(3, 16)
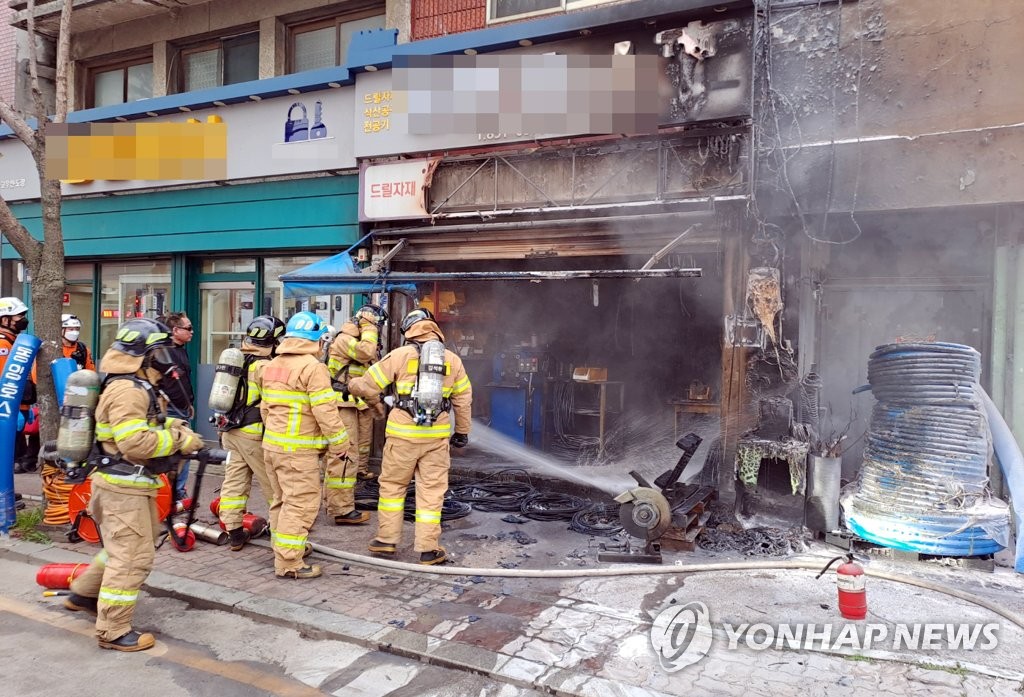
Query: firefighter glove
point(459, 440)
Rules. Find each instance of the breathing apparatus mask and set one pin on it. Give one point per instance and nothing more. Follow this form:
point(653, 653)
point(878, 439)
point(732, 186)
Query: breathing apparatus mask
point(166, 376)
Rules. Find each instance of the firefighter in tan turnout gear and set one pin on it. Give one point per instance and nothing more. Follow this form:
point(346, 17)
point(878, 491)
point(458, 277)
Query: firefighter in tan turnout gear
point(130, 426)
point(300, 420)
point(352, 351)
point(242, 431)
point(429, 380)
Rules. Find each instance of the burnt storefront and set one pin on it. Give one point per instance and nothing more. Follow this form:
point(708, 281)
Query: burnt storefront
point(607, 345)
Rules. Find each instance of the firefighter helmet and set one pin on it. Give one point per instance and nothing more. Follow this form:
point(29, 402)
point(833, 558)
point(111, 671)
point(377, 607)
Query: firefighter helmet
point(418, 315)
point(137, 337)
point(12, 307)
point(373, 313)
point(264, 330)
point(70, 322)
point(305, 325)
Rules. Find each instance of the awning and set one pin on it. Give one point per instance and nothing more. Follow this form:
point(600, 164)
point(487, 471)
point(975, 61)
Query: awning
point(337, 275)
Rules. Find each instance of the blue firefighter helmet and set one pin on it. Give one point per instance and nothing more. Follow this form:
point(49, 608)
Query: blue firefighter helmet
point(305, 325)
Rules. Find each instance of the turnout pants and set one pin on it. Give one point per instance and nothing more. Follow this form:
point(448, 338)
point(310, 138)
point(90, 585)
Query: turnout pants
point(128, 522)
point(295, 483)
point(246, 462)
point(428, 461)
point(340, 479)
point(362, 427)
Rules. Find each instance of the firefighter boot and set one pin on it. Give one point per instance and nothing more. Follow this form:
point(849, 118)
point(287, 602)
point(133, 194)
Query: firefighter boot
point(80, 603)
point(353, 517)
point(301, 573)
point(436, 556)
point(378, 547)
point(132, 641)
point(237, 538)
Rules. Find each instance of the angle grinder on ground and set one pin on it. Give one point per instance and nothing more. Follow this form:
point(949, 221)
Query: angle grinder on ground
point(646, 511)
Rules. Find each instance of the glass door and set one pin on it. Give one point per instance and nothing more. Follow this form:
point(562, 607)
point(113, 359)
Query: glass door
point(225, 309)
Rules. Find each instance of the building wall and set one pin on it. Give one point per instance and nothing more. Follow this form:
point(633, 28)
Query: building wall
point(432, 18)
point(8, 55)
point(894, 104)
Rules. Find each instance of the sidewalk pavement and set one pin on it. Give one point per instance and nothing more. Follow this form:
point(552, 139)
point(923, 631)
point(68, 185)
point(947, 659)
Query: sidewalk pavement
point(579, 635)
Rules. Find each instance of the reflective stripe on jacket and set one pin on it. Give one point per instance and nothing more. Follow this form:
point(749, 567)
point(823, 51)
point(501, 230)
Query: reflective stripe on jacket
point(350, 353)
point(125, 425)
point(400, 368)
point(299, 406)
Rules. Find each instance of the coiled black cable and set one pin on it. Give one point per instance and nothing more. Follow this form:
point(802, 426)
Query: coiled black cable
point(538, 506)
point(599, 520)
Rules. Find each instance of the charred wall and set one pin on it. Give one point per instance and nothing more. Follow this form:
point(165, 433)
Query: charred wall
point(886, 157)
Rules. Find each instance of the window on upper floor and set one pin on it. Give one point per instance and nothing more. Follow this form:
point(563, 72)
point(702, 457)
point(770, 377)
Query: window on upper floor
point(324, 43)
point(504, 10)
point(219, 62)
point(119, 83)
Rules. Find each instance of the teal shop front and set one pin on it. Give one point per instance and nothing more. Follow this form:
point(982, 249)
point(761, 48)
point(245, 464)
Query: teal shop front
point(214, 252)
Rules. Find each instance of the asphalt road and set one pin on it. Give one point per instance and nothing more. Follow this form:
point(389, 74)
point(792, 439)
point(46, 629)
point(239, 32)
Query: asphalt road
point(50, 651)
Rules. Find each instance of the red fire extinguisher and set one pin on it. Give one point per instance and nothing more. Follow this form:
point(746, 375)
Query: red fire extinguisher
point(850, 581)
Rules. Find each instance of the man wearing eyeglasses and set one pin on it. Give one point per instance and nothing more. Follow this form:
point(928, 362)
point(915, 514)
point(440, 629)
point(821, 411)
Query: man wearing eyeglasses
point(181, 334)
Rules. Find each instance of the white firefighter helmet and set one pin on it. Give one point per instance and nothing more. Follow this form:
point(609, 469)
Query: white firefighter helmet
point(11, 307)
point(70, 322)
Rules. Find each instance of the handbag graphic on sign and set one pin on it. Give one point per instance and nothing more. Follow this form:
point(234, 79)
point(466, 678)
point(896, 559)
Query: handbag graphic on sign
point(319, 130)
point(296, 129)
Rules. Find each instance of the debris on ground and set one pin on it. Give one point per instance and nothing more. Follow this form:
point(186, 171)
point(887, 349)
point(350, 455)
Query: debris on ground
point(755, 542)
point(514, 519)
point(508, 564)
point(517, 535)
point(397, 623)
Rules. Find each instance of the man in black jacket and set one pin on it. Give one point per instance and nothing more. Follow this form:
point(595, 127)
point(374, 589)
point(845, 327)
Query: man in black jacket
point(181, 334)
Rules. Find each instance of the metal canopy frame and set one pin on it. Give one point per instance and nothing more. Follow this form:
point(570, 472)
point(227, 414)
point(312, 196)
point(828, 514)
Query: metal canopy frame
point(667, 149)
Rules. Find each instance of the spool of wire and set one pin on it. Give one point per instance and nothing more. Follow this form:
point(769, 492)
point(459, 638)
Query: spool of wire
point(599, 520)
point(538, 506)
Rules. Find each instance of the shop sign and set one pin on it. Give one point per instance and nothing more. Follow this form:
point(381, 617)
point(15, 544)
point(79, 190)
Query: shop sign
point(285, 135)
point(697, 71)
point(395, 190)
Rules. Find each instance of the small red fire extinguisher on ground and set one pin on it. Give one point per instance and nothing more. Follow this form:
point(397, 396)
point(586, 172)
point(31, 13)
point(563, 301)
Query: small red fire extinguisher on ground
point(850, 581)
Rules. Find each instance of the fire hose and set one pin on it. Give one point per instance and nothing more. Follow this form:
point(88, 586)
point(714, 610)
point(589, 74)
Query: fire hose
point(812, 564)
point(56, 492)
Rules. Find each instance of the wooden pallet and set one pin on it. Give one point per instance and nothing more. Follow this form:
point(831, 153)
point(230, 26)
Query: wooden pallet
point(689, 518)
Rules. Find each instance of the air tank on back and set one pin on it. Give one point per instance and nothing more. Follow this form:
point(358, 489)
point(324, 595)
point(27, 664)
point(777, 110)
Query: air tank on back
point(429, 394)
point(225, 380)
point(77, 430)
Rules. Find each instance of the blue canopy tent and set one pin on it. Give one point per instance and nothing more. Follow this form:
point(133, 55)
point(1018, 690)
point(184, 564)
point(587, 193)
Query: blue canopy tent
point(337, 275)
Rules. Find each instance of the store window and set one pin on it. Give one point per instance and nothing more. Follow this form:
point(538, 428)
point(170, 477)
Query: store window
point(129, 290)
point(12, 278)
point(228, 266)
point(78, 297)
point(128, 81)
point(220, 62)
point(333, 308)
point(325, 42)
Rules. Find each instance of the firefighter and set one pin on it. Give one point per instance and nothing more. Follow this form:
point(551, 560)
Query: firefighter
point(242, 430)
point(301, 419)
point(351, 352)
point(132, 428)
point(13, 321)
point(418, 432)
point(70, 330)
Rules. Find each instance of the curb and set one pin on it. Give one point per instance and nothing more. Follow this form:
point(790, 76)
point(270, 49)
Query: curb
point(322, 624)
